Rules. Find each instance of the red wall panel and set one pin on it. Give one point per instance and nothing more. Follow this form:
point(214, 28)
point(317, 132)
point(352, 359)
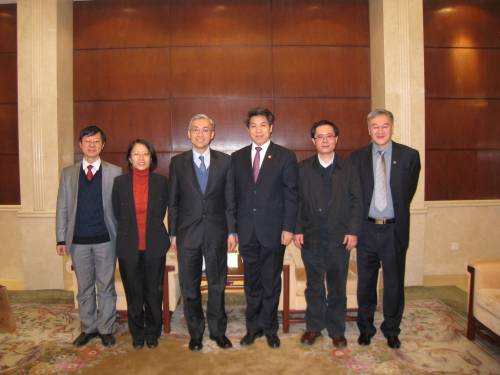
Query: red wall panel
point(221, 72)
point(117, 74)
point(120, 24)
point(321, 72)
point(462, 23)
point(8, 77)
point(221, 22)
point(320, 22)
point(8, 27)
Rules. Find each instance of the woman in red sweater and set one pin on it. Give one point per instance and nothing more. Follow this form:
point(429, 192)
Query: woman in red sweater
point(142, 242)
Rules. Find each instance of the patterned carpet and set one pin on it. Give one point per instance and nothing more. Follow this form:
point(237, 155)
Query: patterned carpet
point(433, 342)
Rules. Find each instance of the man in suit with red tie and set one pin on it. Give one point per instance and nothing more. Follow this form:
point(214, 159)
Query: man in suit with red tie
point(267, 192)
point(202, 224)
point(389, 175)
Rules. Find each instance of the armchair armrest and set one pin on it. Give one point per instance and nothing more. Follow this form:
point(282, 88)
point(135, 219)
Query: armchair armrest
point(487, 273)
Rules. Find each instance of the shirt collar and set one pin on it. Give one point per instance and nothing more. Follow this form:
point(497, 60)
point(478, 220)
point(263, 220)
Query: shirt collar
point(95, 165)
point(387, 149)
point(206, 156)
point(327, 164)
point(264, 147)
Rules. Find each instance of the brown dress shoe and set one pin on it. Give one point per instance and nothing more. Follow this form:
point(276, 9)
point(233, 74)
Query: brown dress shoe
point(308, 338)
point(339, 342)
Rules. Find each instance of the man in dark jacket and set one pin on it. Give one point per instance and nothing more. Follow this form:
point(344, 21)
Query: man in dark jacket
point(328, 225)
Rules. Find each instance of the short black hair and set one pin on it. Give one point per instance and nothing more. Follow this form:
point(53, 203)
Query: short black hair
point(92, 130)
point(324, 122)
point(260, 111)
point(149, 146)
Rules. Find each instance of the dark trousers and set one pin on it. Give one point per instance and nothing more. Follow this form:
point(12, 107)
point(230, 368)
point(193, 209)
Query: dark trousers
point(262, 267)
point(143, 284)
point(326, 310)
point(190, 269)
point(378, 243)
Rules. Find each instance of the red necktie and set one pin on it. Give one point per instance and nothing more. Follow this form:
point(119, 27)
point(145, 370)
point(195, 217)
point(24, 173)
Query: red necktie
point(256, 163)
point(89, 172)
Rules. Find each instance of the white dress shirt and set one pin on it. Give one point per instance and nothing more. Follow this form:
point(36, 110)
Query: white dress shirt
point(262, 152)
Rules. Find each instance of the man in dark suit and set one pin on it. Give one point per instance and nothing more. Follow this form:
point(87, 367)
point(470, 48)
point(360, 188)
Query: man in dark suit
point(86, 228)
point(389, 175)
point(328, 226)
point(202, 223)
point(266, 180)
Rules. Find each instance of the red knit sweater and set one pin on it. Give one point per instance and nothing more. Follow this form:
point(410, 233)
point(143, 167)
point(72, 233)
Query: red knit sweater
point(141, 185)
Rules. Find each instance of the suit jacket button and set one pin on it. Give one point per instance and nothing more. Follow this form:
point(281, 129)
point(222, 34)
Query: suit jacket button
point(203, 200)
point(159, 215)
point(203, 216)
point(124, 234)
point(255, 209)
point(122, 204)
point(158, 230)
point(320, 210)
point(123, 218)
point(255, 192)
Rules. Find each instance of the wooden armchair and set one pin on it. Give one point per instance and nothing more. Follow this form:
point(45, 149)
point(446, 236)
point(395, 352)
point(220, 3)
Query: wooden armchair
point(293, 300)
point(484, 300)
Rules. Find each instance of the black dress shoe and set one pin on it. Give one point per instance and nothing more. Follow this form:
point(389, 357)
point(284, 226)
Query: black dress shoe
point(364, 339)
point(222, 341)
point(152, 343)
point(108, 340)
point(84, 339)
point(196, 344)
point(273, 341)
point(393, 342)
point(249, 338)
point(138, 344)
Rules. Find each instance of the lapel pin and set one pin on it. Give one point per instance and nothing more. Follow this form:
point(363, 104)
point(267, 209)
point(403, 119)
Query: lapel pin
point(394, 162)
point(269, 156)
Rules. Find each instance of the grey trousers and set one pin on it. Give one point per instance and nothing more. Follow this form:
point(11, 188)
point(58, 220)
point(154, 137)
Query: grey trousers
point(95, 266)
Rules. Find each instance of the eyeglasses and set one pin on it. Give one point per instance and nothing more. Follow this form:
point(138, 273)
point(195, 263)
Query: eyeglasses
point(143, 154)
point(328, 137)
point(197, 130)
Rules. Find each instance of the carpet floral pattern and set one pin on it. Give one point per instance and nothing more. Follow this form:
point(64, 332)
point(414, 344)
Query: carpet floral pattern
point(433, 342)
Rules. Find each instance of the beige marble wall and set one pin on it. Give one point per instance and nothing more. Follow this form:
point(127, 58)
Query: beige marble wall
point(471, 224)
point(397, 72)
point(45, 102)
point(10, 246)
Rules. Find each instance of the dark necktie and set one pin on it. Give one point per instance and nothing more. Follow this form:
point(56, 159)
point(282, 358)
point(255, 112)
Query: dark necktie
point(89, 172)
point(256, 163)
point(203, 167)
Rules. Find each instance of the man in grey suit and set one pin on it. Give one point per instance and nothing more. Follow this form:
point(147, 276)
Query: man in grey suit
point(202, 224)
point(86, 226)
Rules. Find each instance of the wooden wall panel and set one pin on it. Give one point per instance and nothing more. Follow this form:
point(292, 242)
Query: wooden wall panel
point(462, 73)
point(298, 115)
point(221, 72)
point(124, 121)
point(120, 24)
point(8, 77)
point(8, 124)
point(8, 27)
point(117, 74)
point(321, 71)
point(221, 22)
point(228, 114)
point(462, 174)
point(321, 22)
point(462, 124)
point(462, 23)
point(10, 191)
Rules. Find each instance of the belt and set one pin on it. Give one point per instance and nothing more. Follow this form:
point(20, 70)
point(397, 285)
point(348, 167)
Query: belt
point(381, 221)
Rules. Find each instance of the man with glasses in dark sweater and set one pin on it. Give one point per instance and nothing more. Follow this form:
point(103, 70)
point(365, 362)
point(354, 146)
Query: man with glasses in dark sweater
point(86, 228)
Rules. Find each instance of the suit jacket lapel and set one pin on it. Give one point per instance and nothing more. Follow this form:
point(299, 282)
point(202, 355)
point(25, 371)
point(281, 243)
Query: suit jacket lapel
point(189, 167)
point(396, 157)
point(267, 162)
point(129, 195)
point(247, 156)
point(214, 165)
point(105, 182)
point(369, 164)
point(75, 180)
